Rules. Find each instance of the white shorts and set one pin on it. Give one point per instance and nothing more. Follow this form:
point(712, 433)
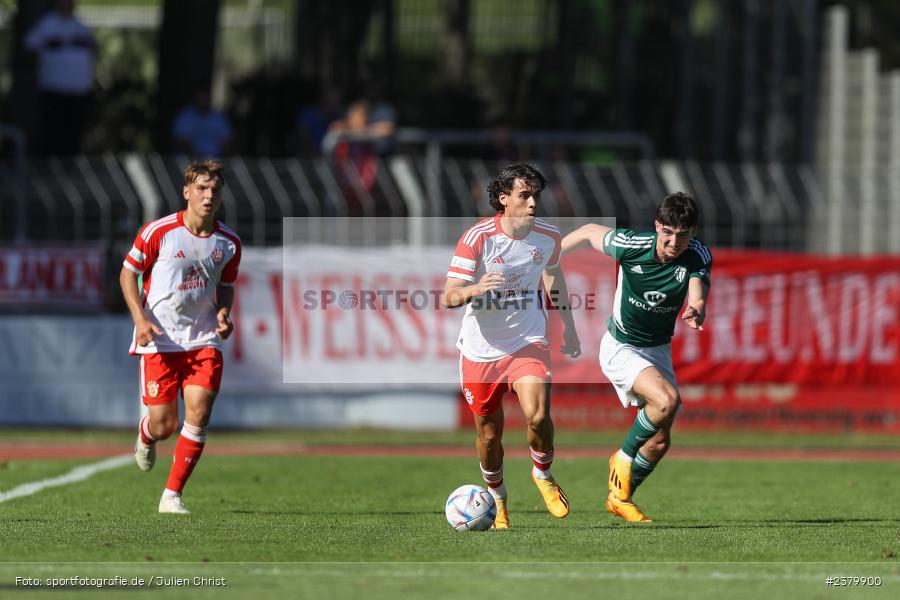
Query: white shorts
point(621, 364)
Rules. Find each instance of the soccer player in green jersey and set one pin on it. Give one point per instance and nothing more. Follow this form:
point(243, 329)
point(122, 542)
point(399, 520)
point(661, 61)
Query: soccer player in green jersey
point(657, 270)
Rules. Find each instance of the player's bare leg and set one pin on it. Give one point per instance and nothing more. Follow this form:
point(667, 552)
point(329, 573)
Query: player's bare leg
point(662, 397)
point(198, 403)
point(489, 444)
point(653, 422)
point(534, 398)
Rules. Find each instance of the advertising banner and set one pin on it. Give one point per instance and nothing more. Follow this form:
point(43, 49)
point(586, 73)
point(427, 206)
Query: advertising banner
point(52, 276)
point(335, 317)
point(774, 318)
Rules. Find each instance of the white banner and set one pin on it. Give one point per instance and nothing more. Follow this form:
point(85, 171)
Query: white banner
point(338, 316)
point(77, 371)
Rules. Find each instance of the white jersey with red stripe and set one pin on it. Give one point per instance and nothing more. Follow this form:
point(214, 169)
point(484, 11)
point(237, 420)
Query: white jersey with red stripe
point(506, 321)
point(181, 271)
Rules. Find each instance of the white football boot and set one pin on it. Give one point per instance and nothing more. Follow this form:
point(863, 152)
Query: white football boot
point(172, 504)
point(144, 456)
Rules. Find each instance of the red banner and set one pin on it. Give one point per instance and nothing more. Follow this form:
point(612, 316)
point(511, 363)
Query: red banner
point(787, 407)
point(55, 276)
point(774, 318)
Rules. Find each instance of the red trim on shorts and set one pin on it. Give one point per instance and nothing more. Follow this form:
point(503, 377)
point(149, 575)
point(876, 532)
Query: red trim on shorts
point(484, 383)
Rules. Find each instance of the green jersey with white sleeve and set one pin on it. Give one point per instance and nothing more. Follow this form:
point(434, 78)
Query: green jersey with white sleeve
point(649, 294)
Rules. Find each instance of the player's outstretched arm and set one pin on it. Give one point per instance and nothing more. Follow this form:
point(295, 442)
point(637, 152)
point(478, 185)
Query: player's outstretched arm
point(144, 330)
point(458, 292)
point(555, 284)
point(695, 313)
point(586, 235)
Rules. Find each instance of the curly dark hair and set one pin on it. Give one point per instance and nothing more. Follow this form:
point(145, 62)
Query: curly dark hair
point(678, 210)
point(503, 183)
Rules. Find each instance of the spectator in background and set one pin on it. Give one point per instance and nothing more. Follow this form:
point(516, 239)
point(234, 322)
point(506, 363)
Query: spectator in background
point(359, 154)
point(314, 120)
point(65, 52)
point(201, 132)
point(382, 119)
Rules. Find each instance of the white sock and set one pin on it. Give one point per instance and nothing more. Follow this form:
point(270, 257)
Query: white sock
point(538, 474)
point(167, 493)
point(625, 457)
point(498, 492)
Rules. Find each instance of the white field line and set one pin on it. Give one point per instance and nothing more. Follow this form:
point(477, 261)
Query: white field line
point(752, 572)
point(74, 476)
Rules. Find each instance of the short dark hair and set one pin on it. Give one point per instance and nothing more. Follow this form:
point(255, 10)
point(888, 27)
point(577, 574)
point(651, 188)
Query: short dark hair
point(506, 179)
point(213, 169)
point(678, 210)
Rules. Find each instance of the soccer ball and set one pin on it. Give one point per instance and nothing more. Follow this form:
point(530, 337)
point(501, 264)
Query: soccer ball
point(470, 508)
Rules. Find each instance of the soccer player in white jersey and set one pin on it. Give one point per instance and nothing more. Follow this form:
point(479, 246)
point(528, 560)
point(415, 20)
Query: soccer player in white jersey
point(501, 267)
point(657, 270)
point(189, 263)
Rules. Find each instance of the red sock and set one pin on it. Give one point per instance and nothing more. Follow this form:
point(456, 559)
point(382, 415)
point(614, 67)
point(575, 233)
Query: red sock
point(144, 428)
point(188, 449)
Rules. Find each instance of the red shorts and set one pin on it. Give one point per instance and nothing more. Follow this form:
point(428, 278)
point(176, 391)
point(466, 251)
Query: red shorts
point(484, 383)
point(164, 373)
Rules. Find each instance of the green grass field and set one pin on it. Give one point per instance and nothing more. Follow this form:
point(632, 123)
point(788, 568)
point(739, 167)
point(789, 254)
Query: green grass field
point(371, 526)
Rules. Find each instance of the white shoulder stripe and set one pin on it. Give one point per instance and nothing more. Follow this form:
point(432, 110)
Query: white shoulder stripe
point(701, 249)
point(622, 244)
point(546, 225)
point(154, 225)
point(474, 232)
point(472, 236)
point(480, 224)
point(623, 238)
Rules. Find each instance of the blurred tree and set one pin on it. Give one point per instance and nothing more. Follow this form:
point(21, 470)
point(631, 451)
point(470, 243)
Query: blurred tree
point(124, 116)
point(22, 104)
point(455, 41)
point(330, 36)
point(187, 42)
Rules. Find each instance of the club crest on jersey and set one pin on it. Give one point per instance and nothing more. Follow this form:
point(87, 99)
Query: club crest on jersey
point(217, 255)
point(680, 274)
point(654, 298)
point(152, 388)
point(537, 256)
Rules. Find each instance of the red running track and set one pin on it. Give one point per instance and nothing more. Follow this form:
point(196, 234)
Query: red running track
point(54, 451)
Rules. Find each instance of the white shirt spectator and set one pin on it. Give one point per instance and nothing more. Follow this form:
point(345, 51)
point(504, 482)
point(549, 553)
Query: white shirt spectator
point(65, 49)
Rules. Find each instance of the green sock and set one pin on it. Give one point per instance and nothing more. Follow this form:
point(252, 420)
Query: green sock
point(642, 430)
point(640, 470)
